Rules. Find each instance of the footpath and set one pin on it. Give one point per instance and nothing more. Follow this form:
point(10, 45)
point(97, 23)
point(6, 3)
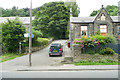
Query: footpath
point(69, 67)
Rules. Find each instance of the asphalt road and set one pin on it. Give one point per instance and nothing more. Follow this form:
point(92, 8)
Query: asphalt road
point(39, 58)
point(62, 74)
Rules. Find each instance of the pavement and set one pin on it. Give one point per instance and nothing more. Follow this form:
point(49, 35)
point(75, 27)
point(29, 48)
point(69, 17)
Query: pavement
point(65, 67)
point(70, 67)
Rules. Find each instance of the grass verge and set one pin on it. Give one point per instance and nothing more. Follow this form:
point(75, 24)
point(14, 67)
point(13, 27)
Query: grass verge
point(9, 56)
point(95, 63)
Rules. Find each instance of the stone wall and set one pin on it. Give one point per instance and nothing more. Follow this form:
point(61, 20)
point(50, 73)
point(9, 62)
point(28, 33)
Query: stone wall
point(78, 56)
point(76, 51)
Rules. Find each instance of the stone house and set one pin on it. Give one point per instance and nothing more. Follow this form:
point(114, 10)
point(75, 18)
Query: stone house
point(24, 20)
point(87, 26)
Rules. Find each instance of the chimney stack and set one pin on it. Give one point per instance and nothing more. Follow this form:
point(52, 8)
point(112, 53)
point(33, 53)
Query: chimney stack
point(102, 6)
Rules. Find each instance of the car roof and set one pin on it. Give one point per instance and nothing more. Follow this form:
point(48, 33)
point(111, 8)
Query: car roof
point(55, 44)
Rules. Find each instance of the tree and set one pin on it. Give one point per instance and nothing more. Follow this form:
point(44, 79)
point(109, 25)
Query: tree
point(37, 34)
point(14, 11)
point(5, 13)
point(12, 33)
point(112, 10)
point(52, 19)
point(94, 13)
point(72, 4)
point(21, 13)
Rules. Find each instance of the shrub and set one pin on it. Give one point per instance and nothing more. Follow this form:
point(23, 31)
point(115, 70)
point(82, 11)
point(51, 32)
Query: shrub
point(97, 32)
point(84, 41)
point(99, 38)
point(107, 51)
point(41, 42)
point(95, 40)
point(37, 34)
point(104, 39)
point(110, 39)
point(12, 33)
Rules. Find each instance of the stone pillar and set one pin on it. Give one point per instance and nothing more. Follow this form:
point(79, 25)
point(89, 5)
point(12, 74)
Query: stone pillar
point(76, 51)
point(70, 32)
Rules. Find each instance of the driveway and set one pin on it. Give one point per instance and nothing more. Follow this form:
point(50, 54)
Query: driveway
point(39, 58)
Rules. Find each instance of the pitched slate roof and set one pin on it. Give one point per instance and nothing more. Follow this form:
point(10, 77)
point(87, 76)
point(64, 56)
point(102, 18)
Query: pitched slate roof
point(115, 18)
point(24, 20)
point(82, 19)
point(90, 19)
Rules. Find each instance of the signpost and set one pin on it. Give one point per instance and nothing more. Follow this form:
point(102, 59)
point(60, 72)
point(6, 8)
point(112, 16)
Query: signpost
point(19, 47)
point(27, 35)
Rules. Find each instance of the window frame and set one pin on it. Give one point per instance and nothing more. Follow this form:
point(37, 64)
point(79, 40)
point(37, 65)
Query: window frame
point(84, 30)
point(104, 29)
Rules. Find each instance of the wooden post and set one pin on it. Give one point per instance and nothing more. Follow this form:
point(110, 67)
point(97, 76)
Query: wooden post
point(20, 47)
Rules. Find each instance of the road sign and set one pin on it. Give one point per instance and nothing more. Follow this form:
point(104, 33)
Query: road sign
point(19, 42)
point(27, 35)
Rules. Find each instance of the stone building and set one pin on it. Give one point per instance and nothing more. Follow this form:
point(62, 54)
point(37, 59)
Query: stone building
point(87, 26)
point(24, 20)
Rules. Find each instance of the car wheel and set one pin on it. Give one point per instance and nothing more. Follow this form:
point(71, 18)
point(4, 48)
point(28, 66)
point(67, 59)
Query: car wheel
point(50, 55)
point(60, 54)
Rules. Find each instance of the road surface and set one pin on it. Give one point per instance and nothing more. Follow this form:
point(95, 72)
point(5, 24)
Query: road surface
point(39, 58)
point(62, 74)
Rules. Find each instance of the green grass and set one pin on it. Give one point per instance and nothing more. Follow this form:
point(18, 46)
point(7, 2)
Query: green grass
point(95, 63)
point(9, 56)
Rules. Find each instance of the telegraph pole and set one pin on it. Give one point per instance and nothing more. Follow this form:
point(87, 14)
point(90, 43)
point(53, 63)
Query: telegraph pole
point(30, 35)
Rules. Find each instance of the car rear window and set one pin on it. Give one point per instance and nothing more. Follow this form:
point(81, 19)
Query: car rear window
point(54, 47)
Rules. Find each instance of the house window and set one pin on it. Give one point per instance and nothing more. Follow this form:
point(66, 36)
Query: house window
point(103, 17)
point(103, 30)
point(118, 30)
point(84, 30)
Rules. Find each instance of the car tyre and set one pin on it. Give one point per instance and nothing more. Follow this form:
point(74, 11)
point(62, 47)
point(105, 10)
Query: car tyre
point(61, 55)
point(50, 55)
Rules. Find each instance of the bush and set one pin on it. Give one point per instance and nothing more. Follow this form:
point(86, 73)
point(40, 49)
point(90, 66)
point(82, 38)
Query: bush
point(12, 33)
point(99, 38)
point(93, 40)
point(84, 41)
point(104, 39)
point(97, 32)
point(107, 51)
point(110, 39)
point(41, 42)
point(37, 34)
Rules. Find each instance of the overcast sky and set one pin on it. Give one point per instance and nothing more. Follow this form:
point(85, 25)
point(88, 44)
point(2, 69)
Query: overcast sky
point(86, 6)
